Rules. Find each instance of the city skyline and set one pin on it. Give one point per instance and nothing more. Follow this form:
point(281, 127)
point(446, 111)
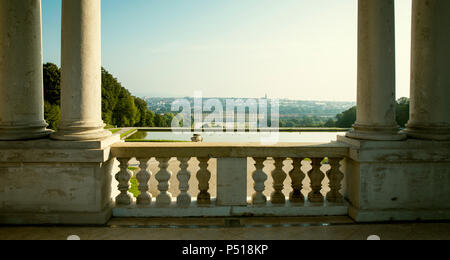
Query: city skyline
point(300, 50)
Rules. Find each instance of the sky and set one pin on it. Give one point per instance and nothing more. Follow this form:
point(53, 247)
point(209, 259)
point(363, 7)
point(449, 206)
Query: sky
point(296, 49)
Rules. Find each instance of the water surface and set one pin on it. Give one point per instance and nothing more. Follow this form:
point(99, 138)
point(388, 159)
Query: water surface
point(213, 137)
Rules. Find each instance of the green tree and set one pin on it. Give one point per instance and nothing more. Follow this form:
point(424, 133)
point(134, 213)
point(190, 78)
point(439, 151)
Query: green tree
point(52, 114)
point(149, 118)
point(52, 94)
point(142, 109)
point(159, 120)
point(52, 83)
point(168, 117)
point(347, 118)
point(121, 109)
point(402, 111)
point(330, 123)
point(111, 90)
point(307, 121)
point(125, 111)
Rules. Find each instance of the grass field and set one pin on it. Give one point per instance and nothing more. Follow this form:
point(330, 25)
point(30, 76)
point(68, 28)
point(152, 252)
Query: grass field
point(154, 141)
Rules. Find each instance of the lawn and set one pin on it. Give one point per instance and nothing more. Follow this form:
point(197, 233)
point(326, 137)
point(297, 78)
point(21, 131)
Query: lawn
point(127, 133)
point(134, 187)
point(154, 141)
point(113, 131)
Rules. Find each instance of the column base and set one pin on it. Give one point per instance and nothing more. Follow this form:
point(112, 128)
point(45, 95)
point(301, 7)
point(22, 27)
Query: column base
point(375, 133)
point(428, 133)
point(24, 132)
point(81, 132)
point(53, 182)
point(56, 218)
point(397, 181)
point(365, 216)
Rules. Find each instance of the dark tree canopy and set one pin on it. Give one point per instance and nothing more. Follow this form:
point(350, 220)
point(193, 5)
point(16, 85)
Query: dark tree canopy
point(52, 114)
point(52, 83)
point(402, 109)
point(52, 94)
point(348, 118)
point(119, 107)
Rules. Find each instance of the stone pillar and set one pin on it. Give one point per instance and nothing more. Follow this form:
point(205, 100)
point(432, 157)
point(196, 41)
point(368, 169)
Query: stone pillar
point(231, 182)
point(81, 117)
point(376, 72)
point(21, 83)
point(430, 71)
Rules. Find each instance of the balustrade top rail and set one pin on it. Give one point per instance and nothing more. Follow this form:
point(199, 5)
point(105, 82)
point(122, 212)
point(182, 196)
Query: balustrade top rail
point(229, 150)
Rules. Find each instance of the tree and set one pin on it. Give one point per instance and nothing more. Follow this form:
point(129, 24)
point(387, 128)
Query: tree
point(347, 118)
point(120, 108)
point(402, 111)
point(330, 123)
point(307, 121)
point(149, 118)
point(52, 83)
point(52, 94)
point(111, 89)
point(142, 109)
point(168, 117)
point(125, 111)
point(159, 121)
point(52, 114)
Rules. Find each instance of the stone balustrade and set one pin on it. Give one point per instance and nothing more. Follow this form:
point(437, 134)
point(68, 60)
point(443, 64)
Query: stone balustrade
point(287, 179)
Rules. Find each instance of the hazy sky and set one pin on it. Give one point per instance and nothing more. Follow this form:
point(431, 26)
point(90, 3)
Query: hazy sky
point(298, 49)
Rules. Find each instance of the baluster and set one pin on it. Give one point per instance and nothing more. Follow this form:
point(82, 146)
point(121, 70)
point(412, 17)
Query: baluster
point(278, 176)
point(316, 176)
point(164, 198)
point(203, 176)
point(259, 176)
point(335, 177)
point(184, 199)
point(297, 177)
point(123, 177)
point(143, 176)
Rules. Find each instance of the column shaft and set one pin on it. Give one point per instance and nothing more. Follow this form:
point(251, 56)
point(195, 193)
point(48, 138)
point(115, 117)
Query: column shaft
point(376, 72)
point(430, 71)
point(81, 72)
point(21, 83)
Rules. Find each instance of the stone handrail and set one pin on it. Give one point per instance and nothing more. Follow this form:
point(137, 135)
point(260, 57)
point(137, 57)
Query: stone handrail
point(229, 150)
point(231, 174)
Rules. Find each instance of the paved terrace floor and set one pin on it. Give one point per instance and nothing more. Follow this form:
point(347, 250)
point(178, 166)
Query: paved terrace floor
point(323, 228)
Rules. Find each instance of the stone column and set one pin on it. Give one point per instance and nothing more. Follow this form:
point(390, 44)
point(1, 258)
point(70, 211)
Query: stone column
point(430, 71)
point(21, 83)
point(376, 72)
point(81, 72)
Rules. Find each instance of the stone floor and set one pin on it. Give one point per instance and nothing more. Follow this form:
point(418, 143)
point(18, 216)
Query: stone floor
point(323, 228)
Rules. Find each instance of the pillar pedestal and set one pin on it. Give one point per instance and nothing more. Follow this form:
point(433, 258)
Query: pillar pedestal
point(375, 133)
point(81, 132)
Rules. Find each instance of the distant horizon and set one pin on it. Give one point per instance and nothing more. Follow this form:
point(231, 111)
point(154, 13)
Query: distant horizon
point(235, 97)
